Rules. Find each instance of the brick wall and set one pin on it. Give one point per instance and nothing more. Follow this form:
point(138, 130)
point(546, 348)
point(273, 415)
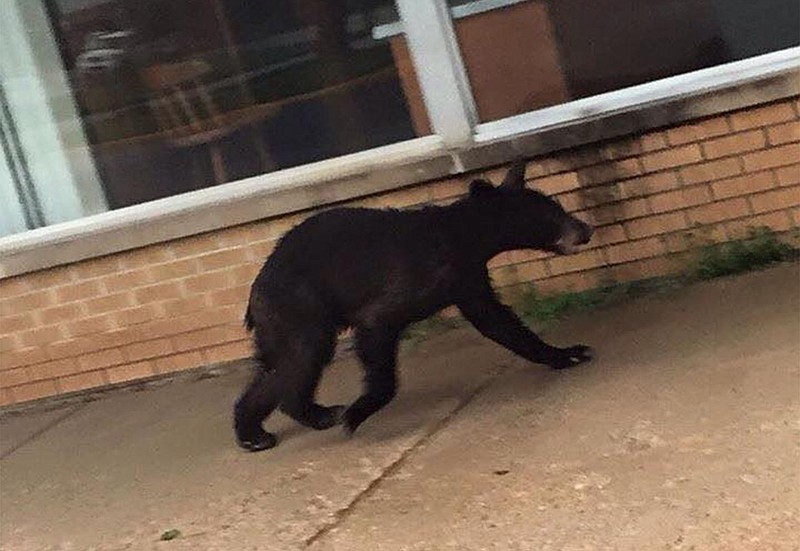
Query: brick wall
point(179, 305)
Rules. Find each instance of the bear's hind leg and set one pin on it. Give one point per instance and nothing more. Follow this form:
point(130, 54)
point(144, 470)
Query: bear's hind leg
point(315, 352)
point(377, 350)
point(259, 399)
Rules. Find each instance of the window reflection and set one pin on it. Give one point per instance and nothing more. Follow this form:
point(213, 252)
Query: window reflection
point(177, 95)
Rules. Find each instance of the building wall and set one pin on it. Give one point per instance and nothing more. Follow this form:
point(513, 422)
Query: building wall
point(179, 305)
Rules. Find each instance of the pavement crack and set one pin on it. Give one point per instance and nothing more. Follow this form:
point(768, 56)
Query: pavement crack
point(36, 434)
point(344, 513)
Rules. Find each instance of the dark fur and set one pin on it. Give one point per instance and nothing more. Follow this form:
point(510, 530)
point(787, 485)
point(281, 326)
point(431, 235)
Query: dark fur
point(378, 271)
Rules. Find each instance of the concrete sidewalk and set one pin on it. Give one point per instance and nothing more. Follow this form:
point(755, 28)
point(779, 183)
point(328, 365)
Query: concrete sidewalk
point(683, 434)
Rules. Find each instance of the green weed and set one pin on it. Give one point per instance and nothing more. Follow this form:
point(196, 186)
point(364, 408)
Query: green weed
point(759, 249)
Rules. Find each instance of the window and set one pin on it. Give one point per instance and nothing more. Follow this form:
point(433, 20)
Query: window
point(181, 94)
point(524, 55)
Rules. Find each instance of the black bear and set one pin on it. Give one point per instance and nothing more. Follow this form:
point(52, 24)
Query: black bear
point(378, 271)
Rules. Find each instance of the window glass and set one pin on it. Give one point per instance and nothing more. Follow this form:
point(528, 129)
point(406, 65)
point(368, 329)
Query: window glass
point(177, 95)
point(525, 55)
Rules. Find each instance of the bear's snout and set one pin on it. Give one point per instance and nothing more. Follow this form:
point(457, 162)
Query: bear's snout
point(585, 233)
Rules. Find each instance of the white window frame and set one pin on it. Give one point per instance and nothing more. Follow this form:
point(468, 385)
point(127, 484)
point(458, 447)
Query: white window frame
point(451, 108)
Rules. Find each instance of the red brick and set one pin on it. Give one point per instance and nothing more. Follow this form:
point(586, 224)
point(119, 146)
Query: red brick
point(145, 256)
point(529, 255)
point(719, 211)
point(148, 349)
point(173, 270)
point(54, 369)
point(571, 202)
point(680, 198)
point(206, 282)
point(578, 281)
point(742, 185)
point(223, 259)
point(193, 246)
point(13, 286)
point(777, 221)
point(410, 196)
point(182, 306)
point(707, 172)
point(244, 274)
point(79, 291)
point(126, 280)
point(93, 343)
point(502, 259)
point(653, 183)
point(206, 337)
point(234, 295)
point(653, 142)
point(6, 397)
point(17, 323)
point(656, 224)
point(130, 372)
point(178, 362)
point(796, 216)
point(599, 195)
point(698, 131)
point(532, 271)
point(14, 377)
point(34, 391)
point(228, 352)
point(449, 188)
point(59, 314)
point(52, 277)
point(788, 175)
point(41, 336)
point(645, 268)
point(278, 226)
point(137, 315)
point(778, 199)
point(615, 212)
point(553, 185)
point(679, 156)
point(621, 149)
point(158, 292)
point(97, 267)
point(29, 301)
point(109, 303)
point(762, 116)
point(184, 324)
point(634, 250)
point(90, 326)
point(260, 250)
point(576, 262)
point(504, 276)
point(25, 356)
point(736, 143)
point(771, 158)
point(70, 348)
point(784, 133)
point(11, 342)
point(82, 381)
point(101, 359)
point(608, 235)
point(609, 172)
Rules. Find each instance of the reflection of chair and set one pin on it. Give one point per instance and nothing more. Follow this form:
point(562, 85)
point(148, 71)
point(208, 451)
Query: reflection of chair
point(186, 112)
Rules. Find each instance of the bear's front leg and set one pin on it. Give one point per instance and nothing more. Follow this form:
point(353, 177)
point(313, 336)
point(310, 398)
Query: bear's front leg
point(479, 305)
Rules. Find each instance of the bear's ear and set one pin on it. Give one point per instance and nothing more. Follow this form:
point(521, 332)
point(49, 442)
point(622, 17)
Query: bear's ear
point(479, 188)
point(515, 179)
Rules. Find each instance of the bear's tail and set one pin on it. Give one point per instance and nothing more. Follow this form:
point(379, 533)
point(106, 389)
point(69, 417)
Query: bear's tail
point(249, 323)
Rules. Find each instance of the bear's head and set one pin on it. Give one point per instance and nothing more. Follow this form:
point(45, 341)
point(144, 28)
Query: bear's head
point(523, 218)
